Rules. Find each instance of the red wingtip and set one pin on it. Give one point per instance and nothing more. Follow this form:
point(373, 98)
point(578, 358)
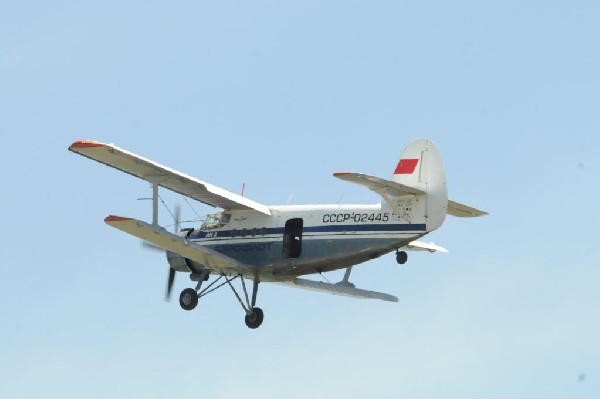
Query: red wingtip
point(113, 218)
point(86, 144)
point(338, 174)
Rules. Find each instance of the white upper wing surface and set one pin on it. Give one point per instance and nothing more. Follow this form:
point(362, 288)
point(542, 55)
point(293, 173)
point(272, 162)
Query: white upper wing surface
point(153, 172)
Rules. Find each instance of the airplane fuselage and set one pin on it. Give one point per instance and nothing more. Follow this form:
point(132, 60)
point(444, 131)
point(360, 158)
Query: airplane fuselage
point(300, 239)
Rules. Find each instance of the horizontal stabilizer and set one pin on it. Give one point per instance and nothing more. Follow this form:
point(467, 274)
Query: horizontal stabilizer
point(379, 185)
point(340, 289)
point(424, 246)
point(171, 242)
point(163, 176)
point(463, 211)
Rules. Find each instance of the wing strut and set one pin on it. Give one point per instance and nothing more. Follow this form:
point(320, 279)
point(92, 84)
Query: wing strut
point(346, 277)
point(155, 205)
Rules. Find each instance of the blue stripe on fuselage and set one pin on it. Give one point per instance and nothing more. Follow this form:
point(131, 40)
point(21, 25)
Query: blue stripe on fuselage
point(364, 227)
point(400, 228)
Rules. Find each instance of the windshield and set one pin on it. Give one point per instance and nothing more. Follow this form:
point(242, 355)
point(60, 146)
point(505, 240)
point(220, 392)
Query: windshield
point(215, 220)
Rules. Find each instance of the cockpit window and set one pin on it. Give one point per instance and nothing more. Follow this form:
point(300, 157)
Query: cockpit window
point(215, 220)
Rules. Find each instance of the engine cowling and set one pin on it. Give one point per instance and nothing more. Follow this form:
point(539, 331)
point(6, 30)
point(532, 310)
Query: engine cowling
point(180, 263)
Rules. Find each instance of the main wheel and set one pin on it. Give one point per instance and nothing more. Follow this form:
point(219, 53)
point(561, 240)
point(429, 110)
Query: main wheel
point(401, 257)
point(255, 318)
point(188, 299)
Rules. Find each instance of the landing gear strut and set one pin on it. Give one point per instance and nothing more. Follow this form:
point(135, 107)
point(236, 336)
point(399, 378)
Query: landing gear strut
point(254, 315)
point(401, 257)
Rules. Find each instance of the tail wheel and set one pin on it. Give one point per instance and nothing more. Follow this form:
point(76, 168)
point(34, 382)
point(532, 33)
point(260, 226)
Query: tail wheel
point(188, 299)
point(255, 318)
point(401, 257)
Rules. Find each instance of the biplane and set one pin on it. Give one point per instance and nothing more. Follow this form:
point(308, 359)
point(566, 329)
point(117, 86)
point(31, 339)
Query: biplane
point(246, 240)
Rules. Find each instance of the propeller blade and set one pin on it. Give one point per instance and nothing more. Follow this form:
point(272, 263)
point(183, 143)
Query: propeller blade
point(170, 284)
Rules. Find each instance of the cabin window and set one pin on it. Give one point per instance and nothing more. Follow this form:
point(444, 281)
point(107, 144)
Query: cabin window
point(292, 238)
point(244, 232)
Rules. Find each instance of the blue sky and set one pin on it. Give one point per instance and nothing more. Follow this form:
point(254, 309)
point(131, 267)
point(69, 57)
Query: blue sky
point(279, 95)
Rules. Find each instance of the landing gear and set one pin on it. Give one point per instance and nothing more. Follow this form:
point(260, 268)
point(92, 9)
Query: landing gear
point(401, 257)
point(254, 315)
point(188, 299)
point(255, 318)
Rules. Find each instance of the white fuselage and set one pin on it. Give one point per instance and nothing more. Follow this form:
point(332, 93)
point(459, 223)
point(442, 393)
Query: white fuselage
point(304, 239)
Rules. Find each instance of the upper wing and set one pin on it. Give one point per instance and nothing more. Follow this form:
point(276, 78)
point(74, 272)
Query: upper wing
point(160, 237)
point(153, 172)
point(379, 185)
point(463, 211)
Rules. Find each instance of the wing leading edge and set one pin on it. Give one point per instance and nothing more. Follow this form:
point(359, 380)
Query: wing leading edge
point(153, 172)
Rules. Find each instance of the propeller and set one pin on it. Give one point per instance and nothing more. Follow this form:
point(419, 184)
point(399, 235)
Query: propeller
point(171, 279)
point(176, 226)
point(170, 284)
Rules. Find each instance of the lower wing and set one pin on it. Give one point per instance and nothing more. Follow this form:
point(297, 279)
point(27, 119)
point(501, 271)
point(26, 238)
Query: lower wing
point(158, 236)
point(343, 289)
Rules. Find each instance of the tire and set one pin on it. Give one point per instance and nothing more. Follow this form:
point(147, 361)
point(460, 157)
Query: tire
point(401, 257)
point(254, 319)
point(188, 299)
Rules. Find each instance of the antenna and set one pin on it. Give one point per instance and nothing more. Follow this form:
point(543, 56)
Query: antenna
point(243, 188)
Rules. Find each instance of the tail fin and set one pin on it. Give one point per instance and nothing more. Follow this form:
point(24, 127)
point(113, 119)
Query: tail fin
point(421, 167)
point(417, 190)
